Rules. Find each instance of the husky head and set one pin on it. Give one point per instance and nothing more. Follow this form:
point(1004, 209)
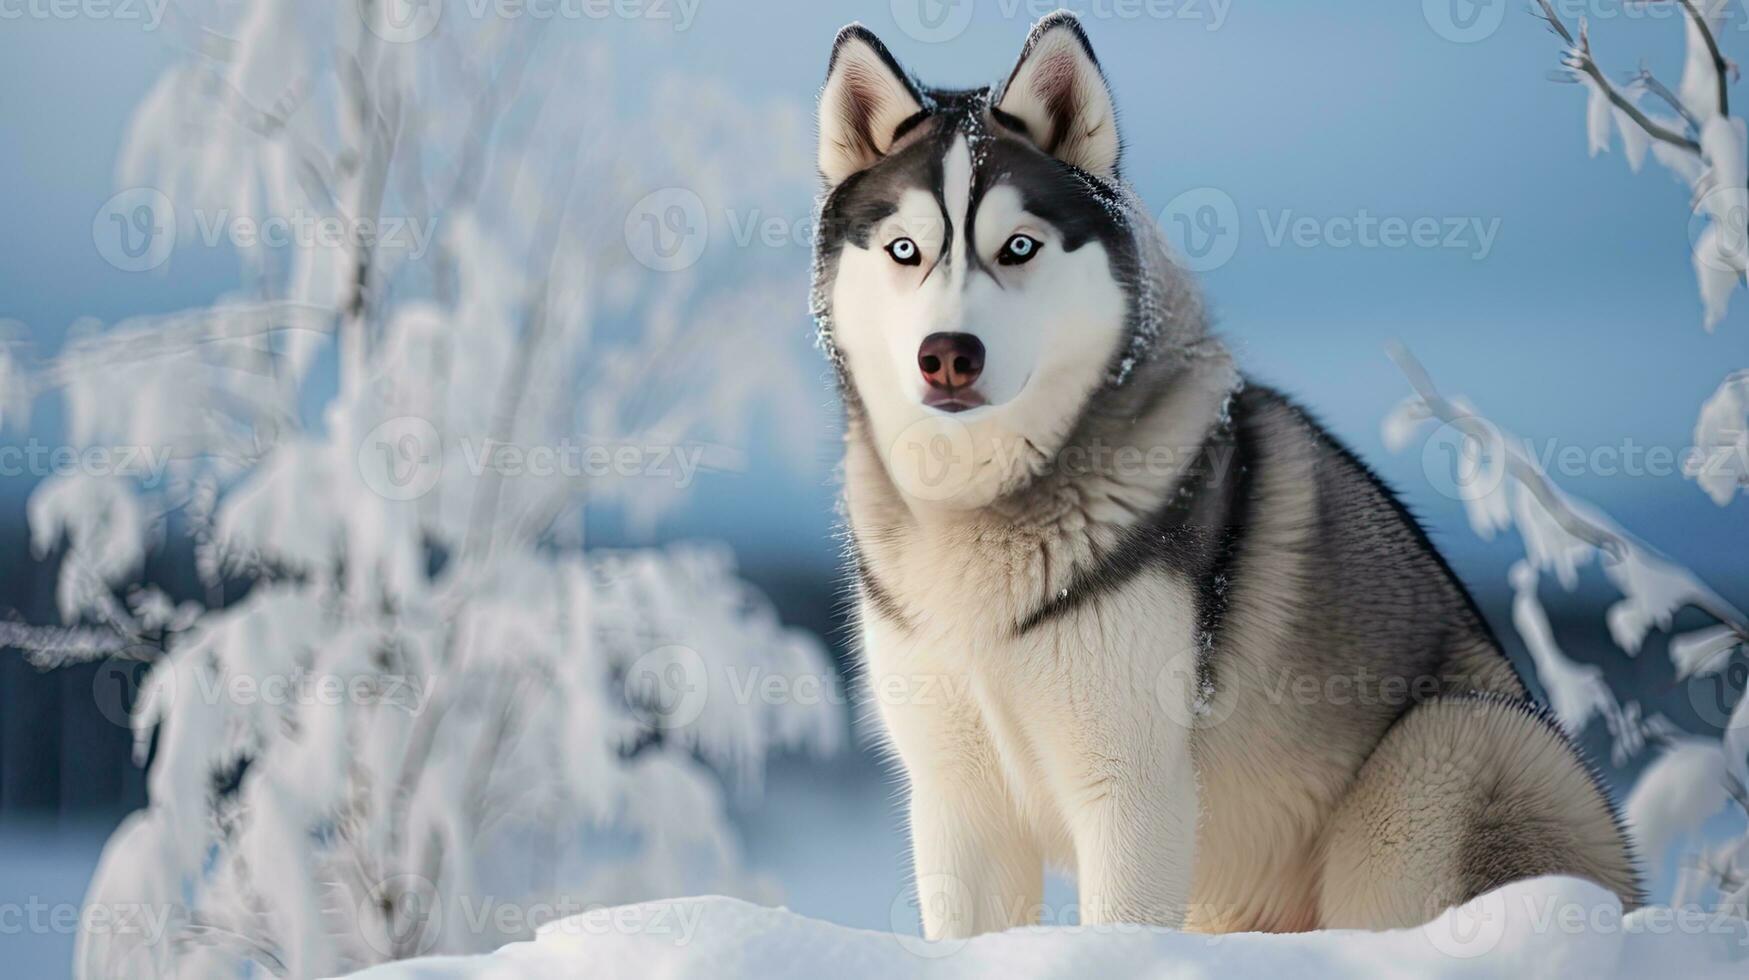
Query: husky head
point(983, 277)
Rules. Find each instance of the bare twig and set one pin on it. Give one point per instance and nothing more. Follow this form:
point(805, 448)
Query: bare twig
point(138, 338)
point(211, 931)
point(1721, 67)
point(52, 647)
point(545, 252)
point(1738, 791)
point(315, 170)
point(420, 745)
point(1650, 83)
point(488, 755)
point(1579, 59)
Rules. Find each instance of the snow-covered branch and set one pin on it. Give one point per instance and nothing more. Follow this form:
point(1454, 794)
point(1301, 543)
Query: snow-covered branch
point(1502, 486)
point(1657, 585)
point(1581, 66)
point(1703, 144)
point(1650, 82)
point(428, 694)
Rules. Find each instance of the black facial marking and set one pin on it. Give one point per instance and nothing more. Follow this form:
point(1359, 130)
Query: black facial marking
point(981, 183)
point(938, 189)
point(1081, 207)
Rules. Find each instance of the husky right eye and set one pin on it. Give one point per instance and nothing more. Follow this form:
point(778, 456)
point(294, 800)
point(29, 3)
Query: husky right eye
point(904, 251)
point(1018, 250)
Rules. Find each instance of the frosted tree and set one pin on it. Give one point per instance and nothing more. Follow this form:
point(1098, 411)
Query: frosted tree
point(411, 700)
point(1688, 130)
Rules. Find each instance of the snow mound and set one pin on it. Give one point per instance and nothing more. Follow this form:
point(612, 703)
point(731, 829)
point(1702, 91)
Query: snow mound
point(1545, 927)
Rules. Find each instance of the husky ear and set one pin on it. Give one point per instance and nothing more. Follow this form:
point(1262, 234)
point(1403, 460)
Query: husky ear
point(867, 96)
point(1058, 94)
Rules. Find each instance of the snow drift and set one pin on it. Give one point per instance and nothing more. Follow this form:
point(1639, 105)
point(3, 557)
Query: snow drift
point(1545, 927)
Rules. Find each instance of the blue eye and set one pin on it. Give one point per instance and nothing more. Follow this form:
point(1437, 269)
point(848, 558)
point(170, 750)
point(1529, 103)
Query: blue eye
point(904, 251)
point(1018, 250)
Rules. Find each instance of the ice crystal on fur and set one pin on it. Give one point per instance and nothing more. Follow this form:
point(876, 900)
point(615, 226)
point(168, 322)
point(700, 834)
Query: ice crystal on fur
point(1203, 704)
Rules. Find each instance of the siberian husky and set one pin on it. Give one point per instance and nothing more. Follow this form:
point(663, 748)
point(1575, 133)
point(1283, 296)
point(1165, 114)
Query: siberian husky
point(1122, 612)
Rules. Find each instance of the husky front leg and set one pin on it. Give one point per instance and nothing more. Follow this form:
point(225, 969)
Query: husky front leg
point(976, 867)
point(1125, 773)
point(976, 871)
point(1135, 841)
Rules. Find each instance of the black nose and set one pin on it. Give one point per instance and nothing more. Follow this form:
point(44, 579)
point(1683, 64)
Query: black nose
point(951, 361)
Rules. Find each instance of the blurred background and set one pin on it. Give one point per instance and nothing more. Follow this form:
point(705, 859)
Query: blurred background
point(651, 163)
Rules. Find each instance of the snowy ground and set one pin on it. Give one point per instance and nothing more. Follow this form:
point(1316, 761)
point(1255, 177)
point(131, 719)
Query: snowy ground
point(1548, 927)
point(831, 834)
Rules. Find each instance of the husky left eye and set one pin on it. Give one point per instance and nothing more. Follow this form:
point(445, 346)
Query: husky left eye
point(1019, 249)
point(904, 251)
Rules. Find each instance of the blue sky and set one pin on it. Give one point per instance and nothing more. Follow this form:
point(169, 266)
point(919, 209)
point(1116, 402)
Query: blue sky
point(1580, 322)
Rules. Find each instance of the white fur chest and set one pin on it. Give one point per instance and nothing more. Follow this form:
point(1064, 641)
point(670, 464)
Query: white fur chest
point(1047, 720)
